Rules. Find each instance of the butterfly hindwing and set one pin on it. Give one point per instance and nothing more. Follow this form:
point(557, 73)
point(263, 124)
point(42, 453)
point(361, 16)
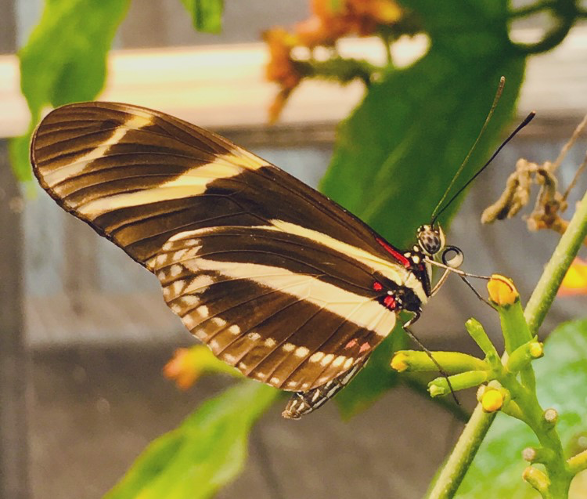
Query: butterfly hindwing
point(281, 308)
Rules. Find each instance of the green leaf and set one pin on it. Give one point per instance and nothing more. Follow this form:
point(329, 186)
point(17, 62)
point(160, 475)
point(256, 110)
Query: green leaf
point(561, 380)
point(400, 148)
point(207, 451)
point(206, 14)
point(64, 60)
point(398, 151)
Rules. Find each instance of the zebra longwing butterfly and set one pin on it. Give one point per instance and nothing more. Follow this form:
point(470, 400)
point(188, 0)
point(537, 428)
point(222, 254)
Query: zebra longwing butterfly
point(278, 280)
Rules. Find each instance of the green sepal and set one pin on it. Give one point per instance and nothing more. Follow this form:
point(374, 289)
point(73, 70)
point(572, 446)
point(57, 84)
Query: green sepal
point(514, 326)
point(451, 362)
point(439, 386)
point(522, 356)
point(480, 337)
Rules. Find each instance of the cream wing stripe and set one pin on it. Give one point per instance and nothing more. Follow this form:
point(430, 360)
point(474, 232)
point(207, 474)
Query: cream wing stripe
point(78, 166)
point(395, 272)
point(323, 294)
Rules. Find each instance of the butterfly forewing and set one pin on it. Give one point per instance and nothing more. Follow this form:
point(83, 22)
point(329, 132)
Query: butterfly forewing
point(277, 279)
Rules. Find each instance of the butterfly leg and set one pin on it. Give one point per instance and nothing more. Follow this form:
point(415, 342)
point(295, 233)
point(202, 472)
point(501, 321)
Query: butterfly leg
point(429, 353)
point(302, 403)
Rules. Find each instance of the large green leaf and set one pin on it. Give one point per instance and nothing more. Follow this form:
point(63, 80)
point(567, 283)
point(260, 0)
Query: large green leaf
point(207, 451)
point(206, 14)
point(64, 60)
point(561, 378)
point(399, 150)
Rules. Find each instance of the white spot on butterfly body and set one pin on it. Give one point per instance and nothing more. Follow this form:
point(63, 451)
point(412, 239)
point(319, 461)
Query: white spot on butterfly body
point(242, 365)
point(275, 380)
point(269, 342)
point(327, 359)
point(175, 270)
point(231, 359)
point(219, 322)
point(338, 361)
point(253, 336)
point(177, 287)
point(348, 363)
point(179, 254)
point(199, 284)
point(289, 347)
point(189, 321)
point(203, 311)
point(189, 300)
point(316, 357)
point(234, 329)
point(213, 344)
point(301, 352)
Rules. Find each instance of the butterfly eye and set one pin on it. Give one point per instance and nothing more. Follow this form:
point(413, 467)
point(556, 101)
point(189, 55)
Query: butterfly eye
point(430, 240)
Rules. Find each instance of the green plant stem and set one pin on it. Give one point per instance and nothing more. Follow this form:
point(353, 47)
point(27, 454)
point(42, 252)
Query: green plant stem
point(457, 464)
point(533, 415)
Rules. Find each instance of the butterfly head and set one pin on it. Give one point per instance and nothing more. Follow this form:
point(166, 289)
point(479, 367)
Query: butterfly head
point(431, 239)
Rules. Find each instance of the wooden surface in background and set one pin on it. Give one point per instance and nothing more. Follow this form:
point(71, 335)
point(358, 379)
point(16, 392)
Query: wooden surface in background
point(223, 87)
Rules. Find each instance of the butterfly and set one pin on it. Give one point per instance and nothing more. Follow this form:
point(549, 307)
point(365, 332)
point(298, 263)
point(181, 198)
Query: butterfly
point(276, 279)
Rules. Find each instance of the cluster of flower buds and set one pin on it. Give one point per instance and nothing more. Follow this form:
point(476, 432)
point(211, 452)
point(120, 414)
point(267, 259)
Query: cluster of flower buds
point(492, 374)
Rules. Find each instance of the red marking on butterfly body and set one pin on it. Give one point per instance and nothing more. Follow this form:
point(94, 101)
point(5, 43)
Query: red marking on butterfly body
point(395, 253)
point(351, 343)
point(389, 302)
point(364, 347)
point(377, 286)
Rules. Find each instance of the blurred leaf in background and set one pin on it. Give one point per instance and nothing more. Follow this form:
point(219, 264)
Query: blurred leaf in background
point(204, 453)
point(206, 14)
point(64, 60)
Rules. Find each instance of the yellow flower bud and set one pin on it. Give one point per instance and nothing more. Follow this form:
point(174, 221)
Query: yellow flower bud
point(501, 290)
point(536, 350)
point(399, 362)
point(492, 400)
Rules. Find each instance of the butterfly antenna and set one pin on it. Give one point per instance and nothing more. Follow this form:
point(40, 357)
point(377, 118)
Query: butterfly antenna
point(527, 120)
point(466, 160)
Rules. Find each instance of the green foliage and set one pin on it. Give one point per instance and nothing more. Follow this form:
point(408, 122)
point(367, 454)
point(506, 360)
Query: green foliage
point(64, 60)
point(203, 454)
point(206, 14)
point(561, 380)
